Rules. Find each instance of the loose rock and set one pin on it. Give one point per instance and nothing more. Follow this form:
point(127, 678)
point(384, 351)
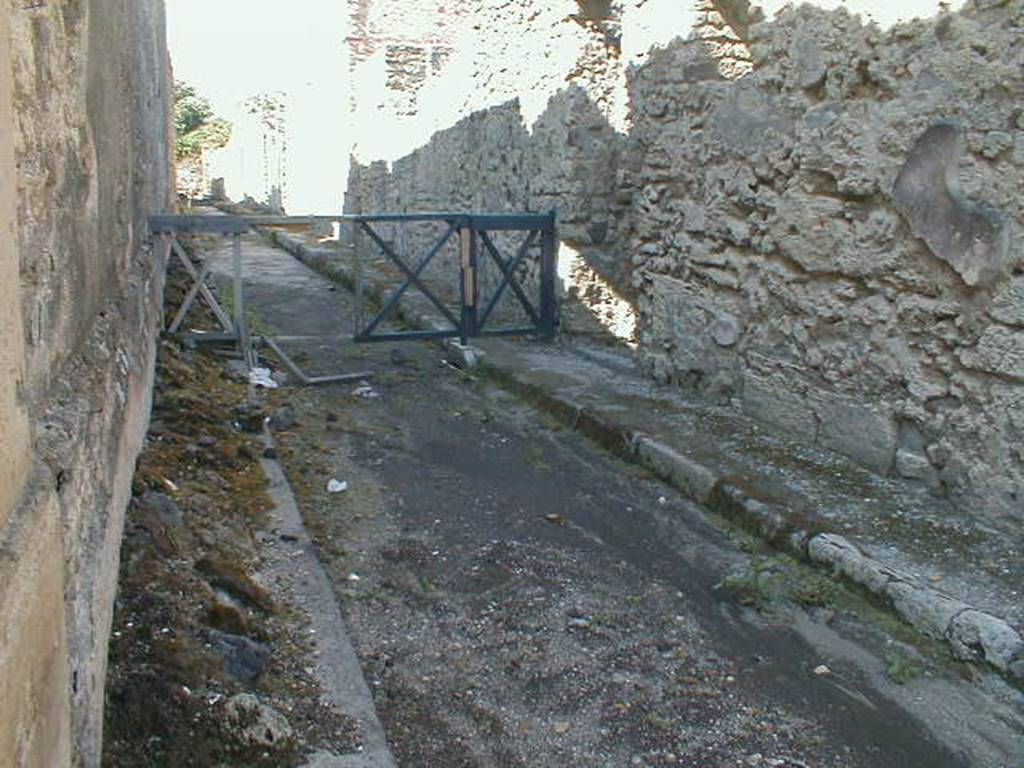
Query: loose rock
point(243, 658)
point(255, 723)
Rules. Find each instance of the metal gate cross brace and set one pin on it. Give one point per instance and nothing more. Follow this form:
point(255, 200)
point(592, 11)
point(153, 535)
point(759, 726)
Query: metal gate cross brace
point(413, 277)
point(235, 330)
point(198, 288)
point(508, 271)
point(472, 229)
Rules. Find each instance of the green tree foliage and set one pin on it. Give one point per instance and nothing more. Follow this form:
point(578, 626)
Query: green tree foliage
point(197, 129)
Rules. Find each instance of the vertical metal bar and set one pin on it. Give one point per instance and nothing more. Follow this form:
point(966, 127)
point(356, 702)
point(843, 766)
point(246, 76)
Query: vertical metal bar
point(547, 278)
point(357, 277)
point(474, 282)
point(241, 331)
point(165, 253)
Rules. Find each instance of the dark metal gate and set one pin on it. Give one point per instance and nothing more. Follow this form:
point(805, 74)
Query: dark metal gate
point(473, 315)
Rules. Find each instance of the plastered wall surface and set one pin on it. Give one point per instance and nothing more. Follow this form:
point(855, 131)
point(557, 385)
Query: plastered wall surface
point(813, 215)
point(33, 667)
point(89, 112)
point(14, 449)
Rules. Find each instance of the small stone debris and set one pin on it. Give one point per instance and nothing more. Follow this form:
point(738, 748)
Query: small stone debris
point(821, 669)
point(256, 723)
point(555, 519)
point(161, 507)
point(243, 659)
point(561, 727)
point(464, 356)
point(283, 418)
point(249, 419)
point(233, 579)
point(226, 615)
point(337, 486)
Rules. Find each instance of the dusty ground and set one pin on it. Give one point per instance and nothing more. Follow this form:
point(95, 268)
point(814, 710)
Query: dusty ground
point(521, 599)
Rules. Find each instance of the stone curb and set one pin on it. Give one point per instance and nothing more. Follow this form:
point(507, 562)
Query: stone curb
point(336, 664)
point(972, 634)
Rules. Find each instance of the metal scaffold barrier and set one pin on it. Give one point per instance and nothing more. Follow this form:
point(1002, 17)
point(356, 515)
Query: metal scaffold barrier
point(473, 315)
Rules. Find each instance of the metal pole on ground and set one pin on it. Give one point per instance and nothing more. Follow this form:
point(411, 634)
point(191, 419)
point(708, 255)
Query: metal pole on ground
point(241, 328)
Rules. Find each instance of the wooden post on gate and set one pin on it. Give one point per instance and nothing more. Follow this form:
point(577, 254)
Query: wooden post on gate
point(468, 273)
point(357, 277)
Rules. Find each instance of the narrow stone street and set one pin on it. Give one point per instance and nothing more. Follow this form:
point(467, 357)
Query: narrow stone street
point(519, 597)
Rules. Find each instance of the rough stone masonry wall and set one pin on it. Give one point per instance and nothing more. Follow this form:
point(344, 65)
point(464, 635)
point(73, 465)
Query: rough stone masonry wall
point(831, 241)
point(489, 160)
point(411, 42)
point(85, 122)
point(815, 218)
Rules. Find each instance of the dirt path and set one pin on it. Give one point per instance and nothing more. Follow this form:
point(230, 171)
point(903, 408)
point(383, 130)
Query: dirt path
point(519, 598)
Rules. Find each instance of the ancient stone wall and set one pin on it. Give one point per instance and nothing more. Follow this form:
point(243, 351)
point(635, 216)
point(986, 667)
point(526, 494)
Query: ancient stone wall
point(394, 50)
point(88, 116)
point(422, 66)
point(828, 241)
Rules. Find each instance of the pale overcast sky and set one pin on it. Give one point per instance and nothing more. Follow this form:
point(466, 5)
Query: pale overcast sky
point(232, 50)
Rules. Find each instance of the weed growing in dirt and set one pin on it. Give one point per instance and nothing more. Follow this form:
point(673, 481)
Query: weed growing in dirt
point(900, 669)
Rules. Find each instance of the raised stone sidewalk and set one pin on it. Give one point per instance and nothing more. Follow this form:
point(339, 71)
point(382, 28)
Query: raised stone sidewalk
point(952, 577)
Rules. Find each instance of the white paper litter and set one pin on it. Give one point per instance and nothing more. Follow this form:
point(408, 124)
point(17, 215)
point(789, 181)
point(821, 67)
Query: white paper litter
point(364, 390)
point(336, 486)
point(261, 377)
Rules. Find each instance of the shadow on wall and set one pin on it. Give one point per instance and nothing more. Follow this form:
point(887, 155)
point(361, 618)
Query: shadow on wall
point(490, 161)
point(822, 242)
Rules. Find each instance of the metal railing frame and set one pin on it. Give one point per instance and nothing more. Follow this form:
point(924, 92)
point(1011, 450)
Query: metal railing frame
point(472, 230)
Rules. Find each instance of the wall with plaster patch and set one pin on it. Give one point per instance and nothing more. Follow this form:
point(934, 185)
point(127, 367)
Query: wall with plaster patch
point(828, 241)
